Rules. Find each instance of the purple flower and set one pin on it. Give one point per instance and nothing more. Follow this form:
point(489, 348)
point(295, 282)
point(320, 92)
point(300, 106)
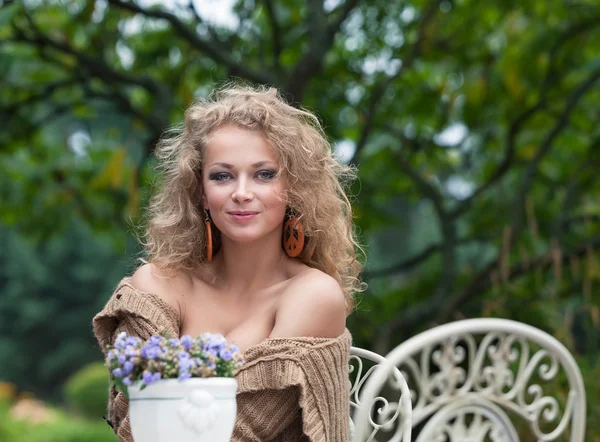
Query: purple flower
point(122, 359)
point(112, 354)
point(131, 351)
point(174, 342)
point(149, 378)
point(183, 376)
point(120, 341)
point(132, 341)
point(234, 348)
point(183, 355)
point(226, 354)
point(128, 367)
point(127, 381)
point(117, 372)
point(187, 342)
point(215, 342)
point(185, 364)
point(151, 352)
point(155, 340)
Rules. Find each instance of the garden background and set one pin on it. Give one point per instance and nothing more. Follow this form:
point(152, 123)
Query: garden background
point(473, 124)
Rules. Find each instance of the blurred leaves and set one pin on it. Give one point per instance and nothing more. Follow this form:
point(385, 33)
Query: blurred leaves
point(474, 126)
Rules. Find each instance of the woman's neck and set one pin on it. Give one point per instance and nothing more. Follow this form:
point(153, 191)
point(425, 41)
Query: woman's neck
point(242, 268)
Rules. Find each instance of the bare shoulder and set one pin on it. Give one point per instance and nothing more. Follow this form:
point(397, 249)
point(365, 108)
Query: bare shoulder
point(170, 288)
point(312, 305)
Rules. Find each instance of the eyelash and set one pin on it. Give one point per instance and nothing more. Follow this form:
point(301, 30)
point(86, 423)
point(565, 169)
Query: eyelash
point(222, 176)
point(271, 174)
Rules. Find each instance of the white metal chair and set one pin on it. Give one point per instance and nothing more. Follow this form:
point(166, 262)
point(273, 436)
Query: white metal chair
point(468, 376)
point(392, 416)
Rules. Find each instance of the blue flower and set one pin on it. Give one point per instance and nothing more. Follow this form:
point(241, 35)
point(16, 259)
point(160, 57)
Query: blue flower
point(183, 376)
point(127, 381)
point(226, 354)
point(117, 372)
point(174, 342)
point(215, 342)
point(120, 341)
point(149, 378)
point(187, 342)
point(211, 353)
point(122, 359)
point(151, 352)
point(234, 348)
point(131, 351)
point(155, 340)
point(185, 364)
point(132, 341)
point(183, 355)
point(128, 367)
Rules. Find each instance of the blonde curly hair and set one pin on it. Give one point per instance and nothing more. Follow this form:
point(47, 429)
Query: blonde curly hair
point(175, 235)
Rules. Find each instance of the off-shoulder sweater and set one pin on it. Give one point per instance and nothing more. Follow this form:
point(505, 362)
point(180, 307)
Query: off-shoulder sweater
point(289, 389)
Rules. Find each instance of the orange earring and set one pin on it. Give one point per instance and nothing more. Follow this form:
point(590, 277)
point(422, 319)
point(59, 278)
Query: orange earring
point(293, 237)
point(209, 238)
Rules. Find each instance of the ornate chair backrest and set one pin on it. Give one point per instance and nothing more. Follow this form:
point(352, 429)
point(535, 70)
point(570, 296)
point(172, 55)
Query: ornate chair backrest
point(468, 378)
point(392, 415)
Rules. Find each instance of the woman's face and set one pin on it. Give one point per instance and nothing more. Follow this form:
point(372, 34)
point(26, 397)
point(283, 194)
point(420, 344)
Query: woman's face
point(242, 188)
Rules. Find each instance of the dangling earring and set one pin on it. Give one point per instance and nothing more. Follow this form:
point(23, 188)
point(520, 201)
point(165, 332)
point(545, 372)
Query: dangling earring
point(293, 237)
point(209, 238)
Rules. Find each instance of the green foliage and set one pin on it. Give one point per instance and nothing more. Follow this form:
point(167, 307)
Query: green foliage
point(61, 428)
point(87, 390)
point(476, 136)
point(51, 291)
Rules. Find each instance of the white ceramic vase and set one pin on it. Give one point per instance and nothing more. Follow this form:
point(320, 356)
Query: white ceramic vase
point(194, 410)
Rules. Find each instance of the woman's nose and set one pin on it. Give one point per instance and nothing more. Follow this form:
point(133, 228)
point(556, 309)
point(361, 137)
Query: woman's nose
point(242, 192)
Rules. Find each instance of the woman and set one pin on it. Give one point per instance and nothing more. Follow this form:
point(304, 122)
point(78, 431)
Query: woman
point(250, 235)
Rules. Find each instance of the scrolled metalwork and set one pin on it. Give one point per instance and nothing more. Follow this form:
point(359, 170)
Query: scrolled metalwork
point(479, 367)
point(389, 415)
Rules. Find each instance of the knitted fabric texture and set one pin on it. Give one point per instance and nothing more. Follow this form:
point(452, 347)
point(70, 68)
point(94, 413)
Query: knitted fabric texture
point(289, 389)
point(138, 314)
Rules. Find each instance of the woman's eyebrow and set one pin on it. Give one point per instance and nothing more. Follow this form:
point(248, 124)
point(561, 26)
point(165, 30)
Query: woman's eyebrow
point(262, 163)
point(224, 165)
point(229, 166)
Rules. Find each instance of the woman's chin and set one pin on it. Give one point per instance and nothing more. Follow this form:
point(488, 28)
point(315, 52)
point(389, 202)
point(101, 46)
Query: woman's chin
point(243, 237)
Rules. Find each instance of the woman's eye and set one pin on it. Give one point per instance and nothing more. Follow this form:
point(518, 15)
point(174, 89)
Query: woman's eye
point(266, 174)
point(219, 176)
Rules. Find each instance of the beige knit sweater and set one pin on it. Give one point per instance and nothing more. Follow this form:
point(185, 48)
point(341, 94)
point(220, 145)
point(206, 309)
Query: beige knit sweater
point(289, 389)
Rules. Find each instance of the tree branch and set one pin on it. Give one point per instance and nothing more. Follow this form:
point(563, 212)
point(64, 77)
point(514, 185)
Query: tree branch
point(8, 112)
point(430, 309)
point(212, 49)
point(275, 31)
point(379, 91)
point(96, 66)
point(518, 123)
point(482, 281)
point(158, 118)
point(413, 261)
point(544, 148)
point(321, 38)
point(424, 186)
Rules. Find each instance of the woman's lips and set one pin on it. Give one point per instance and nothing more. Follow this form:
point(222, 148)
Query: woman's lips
point(242, 217)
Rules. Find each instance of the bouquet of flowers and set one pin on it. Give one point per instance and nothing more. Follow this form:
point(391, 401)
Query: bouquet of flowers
point(131, 359)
